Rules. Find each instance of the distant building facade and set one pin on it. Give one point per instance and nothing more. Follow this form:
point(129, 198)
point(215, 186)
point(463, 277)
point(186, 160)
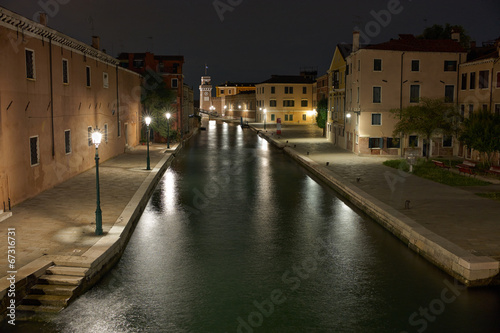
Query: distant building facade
point(170, 69)
point(54, 91)
point(286, 97)
point(479, 89)
point(240, 106)
point(335, 128)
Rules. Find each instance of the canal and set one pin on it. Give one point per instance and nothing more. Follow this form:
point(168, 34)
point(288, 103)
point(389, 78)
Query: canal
point(238, 238)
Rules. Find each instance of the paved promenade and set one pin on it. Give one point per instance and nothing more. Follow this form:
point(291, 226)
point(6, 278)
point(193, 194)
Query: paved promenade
point(61, 221)
point(453, 214)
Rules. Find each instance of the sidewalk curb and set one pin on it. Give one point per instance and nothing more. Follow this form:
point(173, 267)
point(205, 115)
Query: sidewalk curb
point(469, 269)
point(103, 255)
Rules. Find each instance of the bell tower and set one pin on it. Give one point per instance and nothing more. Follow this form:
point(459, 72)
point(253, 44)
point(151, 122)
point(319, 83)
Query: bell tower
point(205, 91)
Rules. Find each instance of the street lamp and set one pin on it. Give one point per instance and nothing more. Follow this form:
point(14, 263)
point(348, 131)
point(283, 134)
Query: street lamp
point(148, 121)
point(265, 117)
point(96, 140)
point(168, 129)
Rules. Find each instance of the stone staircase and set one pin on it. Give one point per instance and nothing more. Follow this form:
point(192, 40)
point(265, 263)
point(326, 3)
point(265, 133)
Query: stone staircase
point(52, 293)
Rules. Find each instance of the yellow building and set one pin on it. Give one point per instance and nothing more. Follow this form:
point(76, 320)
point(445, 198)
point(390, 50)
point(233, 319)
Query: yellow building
point(54, 90)
point(394, 75)
point(288, 98)
point(335, 130)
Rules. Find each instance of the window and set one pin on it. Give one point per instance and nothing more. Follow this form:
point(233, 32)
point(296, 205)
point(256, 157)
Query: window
point(357, 96)
point(174, 83)
point(30, 64)
point(138, 63)
point(413, 141)
point(471, 110)
point(377, 65)
point(347, 69)
point(273, 90)
point(105, 80)
point(359, 65)
point(286, 117)
point(304, 103)
point(272, 103)
point(222, 91)
point(414, 93)
point(291, 117)
point(273, 116)
point(415, 65)
point(34, 154)
point(472, 83)
point(119, 128)
point(263, 90)
point(393, 143)
point(462, 111)
point(484, 77)
point(376, 119)
point(447, 141)
point(485, 107)
point(89, 135)
point(106, 133)
point(497, 109)
point(498, 80)
point(67, 141)
point(449, 92)
point(304, 117)
point(357, 138)
point(87, 71)
point(65, 78)
point(377, 143)
point(464, 81)
point(377, 94)
point(450, 65)
point(288, 103)
point(288, 90)
point(304, 90)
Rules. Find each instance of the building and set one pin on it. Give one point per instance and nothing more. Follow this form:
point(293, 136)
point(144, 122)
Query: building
point(54, 91)
point(479, 88)
point(205, 93)
point(167, 67)
point(229, 89)
point(288, 98)
point(394, 75)
point(335, 128)
point(241, 106)
point(188, 108)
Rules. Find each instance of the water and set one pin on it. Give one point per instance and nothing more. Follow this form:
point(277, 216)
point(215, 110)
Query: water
point(238, 238)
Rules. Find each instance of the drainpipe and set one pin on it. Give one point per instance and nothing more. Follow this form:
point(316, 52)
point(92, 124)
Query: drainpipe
point(117, 104)
point(51, 97)
point(401, 106)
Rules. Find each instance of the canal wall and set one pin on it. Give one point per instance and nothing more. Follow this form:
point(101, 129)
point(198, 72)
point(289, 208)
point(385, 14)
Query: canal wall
point(469, 269)
point(99, 258)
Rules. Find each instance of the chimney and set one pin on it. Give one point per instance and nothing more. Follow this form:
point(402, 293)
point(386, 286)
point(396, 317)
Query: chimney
point(455, 35)
point(95, 42)
point(43, 19)
point(355, 41)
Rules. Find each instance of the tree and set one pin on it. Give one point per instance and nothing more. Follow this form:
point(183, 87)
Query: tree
point(428, 118)
point(481, 132)
point(322, 110)
point(437, 31)
point(157, 101)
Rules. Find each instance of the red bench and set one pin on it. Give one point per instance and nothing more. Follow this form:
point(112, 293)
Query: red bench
point(441, 164)
point(494, 170)
point(463, 170)
point(467, 164)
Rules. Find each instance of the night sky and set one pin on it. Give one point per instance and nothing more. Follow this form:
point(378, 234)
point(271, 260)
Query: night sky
point(248, 40)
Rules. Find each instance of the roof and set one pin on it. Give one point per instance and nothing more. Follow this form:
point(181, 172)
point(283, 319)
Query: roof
point(288, 79)
point(345, 49)
point(236, 84)
point(407, 42)
point(140, 55)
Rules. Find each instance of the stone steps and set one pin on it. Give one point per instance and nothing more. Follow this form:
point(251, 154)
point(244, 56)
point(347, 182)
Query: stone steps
point(53, 292)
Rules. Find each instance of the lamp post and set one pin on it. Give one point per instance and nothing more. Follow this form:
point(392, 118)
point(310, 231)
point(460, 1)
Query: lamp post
point(168, 129)
point(96, 140)
point(265, 118)
point(148, 121)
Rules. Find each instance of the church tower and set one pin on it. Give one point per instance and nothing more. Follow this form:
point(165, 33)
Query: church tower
point(205, 92)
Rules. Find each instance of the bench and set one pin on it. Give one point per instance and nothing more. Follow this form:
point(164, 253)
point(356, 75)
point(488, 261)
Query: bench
point(463, 170)
point(494, 170)
point(441, 164)
point(467, 164)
